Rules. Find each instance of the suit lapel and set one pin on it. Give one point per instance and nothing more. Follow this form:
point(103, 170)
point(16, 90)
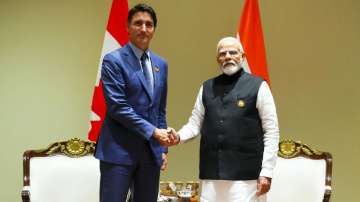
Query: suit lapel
point(156, 72)
point(135, 65)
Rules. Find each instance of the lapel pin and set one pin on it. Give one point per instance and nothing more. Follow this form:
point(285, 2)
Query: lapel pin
point(157, 69)
point(241, 103)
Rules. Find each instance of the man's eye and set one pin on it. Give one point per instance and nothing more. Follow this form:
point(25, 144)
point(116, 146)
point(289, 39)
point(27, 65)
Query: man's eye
point(222, 54)
point(149, 24)
point(138, 23)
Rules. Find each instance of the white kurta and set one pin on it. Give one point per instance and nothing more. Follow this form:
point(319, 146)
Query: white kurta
point(229, 191)
point(239, 191)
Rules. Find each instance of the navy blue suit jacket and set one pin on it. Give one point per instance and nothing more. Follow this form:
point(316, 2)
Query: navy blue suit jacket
point(132, 112)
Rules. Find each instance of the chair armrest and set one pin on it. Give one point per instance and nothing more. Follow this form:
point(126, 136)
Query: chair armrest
point(327, 194)
point(25, 194)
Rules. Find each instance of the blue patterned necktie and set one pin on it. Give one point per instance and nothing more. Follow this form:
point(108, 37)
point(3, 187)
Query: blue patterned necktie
point(146, 70)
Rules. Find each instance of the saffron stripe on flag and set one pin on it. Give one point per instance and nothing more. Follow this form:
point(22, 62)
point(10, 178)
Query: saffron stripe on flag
point(251, 36)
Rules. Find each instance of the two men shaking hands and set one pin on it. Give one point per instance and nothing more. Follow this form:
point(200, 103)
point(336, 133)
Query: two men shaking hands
point(167, 137)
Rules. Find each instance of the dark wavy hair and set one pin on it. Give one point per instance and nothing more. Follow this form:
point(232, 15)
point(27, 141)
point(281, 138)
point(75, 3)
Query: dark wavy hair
point(142, 8)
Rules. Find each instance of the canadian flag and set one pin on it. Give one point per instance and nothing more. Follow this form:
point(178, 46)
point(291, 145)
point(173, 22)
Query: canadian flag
point(251, 36)
point(115, 37)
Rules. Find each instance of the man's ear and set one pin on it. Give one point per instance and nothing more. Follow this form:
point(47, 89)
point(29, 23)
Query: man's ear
point(217, 58)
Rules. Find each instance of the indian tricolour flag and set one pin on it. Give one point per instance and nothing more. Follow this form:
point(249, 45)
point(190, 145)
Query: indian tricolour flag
point(251, 37)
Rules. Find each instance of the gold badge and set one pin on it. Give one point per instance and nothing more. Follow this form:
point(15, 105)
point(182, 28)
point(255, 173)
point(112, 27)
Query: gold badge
point(241, 103)
point(157, 69)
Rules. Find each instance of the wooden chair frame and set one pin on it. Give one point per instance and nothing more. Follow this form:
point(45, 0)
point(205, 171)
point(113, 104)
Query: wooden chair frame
point(74, 148)
point(290, 149)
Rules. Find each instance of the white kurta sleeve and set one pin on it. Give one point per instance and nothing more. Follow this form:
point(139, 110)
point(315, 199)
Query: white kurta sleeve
point(267, 112)
point(192, 128)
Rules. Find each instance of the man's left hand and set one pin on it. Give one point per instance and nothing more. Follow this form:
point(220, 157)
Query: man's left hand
point(165, 162)
point(263, 185)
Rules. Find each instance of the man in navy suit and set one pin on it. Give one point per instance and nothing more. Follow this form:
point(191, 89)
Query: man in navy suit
point(135, 87)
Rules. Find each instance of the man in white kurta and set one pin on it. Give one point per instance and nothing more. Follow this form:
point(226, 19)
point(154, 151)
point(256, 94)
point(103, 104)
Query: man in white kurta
point(223, 183)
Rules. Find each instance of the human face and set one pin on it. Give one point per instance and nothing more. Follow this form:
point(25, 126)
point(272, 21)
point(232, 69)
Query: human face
point(228, 55)
point(141, 30)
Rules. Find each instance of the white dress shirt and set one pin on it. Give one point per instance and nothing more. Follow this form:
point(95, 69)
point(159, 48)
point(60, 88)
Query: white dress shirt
point(267, 112)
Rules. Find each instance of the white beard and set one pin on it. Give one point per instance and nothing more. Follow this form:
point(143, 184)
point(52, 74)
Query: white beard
point(230, 70)
point(233, 68)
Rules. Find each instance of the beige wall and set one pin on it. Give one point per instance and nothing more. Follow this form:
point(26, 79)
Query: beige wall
point(49, 51)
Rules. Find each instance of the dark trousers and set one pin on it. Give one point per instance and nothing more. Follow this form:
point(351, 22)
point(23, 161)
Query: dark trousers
point(142, 178)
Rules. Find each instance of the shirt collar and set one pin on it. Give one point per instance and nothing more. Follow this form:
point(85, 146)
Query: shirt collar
point(138, 52)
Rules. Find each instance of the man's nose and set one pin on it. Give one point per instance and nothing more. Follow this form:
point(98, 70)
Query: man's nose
point(227, 55)
point(143, 27)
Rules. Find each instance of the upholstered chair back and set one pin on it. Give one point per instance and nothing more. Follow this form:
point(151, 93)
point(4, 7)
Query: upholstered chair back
point(64, 172)
point(302, 174)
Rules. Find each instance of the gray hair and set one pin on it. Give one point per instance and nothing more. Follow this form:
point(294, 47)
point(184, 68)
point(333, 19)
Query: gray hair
point(231, 40)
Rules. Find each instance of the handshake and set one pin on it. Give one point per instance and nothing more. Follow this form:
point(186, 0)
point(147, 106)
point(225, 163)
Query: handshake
point(166, 137)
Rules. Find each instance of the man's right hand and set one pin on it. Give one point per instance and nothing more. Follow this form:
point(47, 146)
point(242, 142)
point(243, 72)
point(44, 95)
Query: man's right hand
point(161, 135)
point(166, 137)
point(173, 136)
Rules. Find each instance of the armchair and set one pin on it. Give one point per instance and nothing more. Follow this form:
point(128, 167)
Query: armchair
point(65, 171)
point(302, 174)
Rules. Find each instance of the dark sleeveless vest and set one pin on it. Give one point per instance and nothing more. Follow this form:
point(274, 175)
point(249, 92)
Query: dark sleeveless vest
point(231, 145)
